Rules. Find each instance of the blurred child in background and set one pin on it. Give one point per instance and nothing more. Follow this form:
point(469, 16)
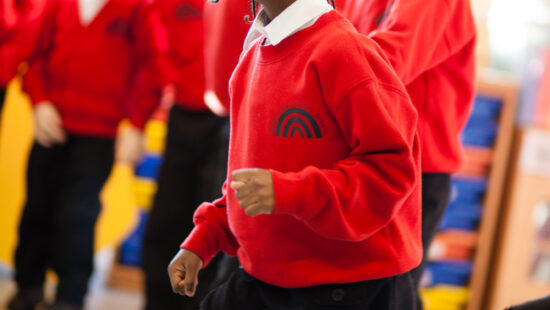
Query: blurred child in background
point(225, 30)
point(96, 63)
point(194, 163)
point(430, 44)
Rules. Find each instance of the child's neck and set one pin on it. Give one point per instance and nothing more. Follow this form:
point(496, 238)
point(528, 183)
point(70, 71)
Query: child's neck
point(273, 8)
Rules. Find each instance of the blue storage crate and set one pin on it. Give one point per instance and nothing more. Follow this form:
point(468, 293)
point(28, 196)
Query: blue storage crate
point(465, 216)
point(449, 272)
point(486, 107)
point(149, 166)
point(483, 136)
point(468, 189)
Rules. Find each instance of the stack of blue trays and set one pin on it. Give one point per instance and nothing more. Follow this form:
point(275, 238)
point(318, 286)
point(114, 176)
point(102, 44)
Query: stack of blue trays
point(449, 272)
point(482, 126)
point(465, 207)
point(464, 210)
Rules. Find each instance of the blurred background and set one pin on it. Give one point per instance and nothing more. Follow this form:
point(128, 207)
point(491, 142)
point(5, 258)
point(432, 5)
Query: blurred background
point(493, 248)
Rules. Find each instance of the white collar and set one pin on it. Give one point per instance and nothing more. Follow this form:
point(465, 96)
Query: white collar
point(88, 10)
point(299, 15)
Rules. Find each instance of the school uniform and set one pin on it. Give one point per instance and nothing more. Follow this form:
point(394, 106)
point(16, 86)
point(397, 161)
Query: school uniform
point(431, 47)
point(97, 63)
point(337, 130)
point(194, 162)
point(225, 30)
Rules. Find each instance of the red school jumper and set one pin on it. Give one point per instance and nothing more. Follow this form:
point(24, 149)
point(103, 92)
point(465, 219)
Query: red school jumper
point(336, 128)
point(18, 34)
point(184, 26)
point(96, 75)
point(225, 31)
point(8, 17)
point(430, 44)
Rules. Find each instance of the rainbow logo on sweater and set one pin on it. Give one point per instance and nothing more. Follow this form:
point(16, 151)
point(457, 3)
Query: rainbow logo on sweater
point(296, 120)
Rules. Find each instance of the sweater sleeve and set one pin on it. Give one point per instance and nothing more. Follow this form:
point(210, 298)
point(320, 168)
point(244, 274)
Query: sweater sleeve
point(360, 194)
point(211, 233)
point(149, 76)
point(37, 42)
point(9, 17)
point(418, 35)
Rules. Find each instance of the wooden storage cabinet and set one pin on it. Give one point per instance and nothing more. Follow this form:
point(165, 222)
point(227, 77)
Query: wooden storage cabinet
point(462, 251)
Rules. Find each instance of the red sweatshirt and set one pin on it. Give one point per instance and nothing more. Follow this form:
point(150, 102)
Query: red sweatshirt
point(430, 44)
point(336, 128)
point(18, 34)
point(98, 74)
point(225, 30)
point(184, 24)
point(9, 17)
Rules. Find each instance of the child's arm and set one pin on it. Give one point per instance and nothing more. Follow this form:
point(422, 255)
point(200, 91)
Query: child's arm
point(211, 233)
point(418, 35)
point(150, 46)
point(38, 36)
point(360, 194)
point(41, 30)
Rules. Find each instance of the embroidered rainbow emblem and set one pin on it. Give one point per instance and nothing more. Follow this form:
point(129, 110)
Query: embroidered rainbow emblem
point(297, 121)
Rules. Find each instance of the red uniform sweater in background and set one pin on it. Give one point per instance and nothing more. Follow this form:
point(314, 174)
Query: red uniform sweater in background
point(336, 128)
point(8, 17)
point(98, 74)
point(430, 44)
point(184, 25)
point(225, 30)
point(18, 34)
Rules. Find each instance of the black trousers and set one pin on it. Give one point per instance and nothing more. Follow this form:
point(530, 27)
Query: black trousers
point(244, 292)
point(436, 189)
point(57, 225)
point(2, 98)
point(192, 172)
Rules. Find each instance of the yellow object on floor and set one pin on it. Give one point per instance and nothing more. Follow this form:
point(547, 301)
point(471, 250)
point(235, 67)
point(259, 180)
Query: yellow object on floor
point(117, 215)
point(444, 297)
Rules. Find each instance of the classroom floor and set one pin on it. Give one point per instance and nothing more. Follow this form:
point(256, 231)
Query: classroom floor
point(100, 297)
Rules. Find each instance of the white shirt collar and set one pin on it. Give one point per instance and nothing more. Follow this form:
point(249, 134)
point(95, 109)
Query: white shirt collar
point(88, 10)
point(299, 15)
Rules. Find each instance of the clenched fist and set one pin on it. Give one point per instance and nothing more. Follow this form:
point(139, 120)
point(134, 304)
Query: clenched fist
point(48, 125)
point(183, 271)
point(254, 190)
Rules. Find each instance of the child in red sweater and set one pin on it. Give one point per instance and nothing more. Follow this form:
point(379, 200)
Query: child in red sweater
point(322, 199)
point(193, 167)
point(96, 63)
point(430, 44)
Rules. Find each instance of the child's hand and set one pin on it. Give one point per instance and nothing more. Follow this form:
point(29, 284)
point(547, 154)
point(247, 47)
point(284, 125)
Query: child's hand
point(129, 146)
point(48, 125)
point(183, 272)
point(254, 190)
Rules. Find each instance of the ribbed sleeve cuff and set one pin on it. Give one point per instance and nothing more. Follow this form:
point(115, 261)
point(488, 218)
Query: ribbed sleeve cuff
point(201, 241)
